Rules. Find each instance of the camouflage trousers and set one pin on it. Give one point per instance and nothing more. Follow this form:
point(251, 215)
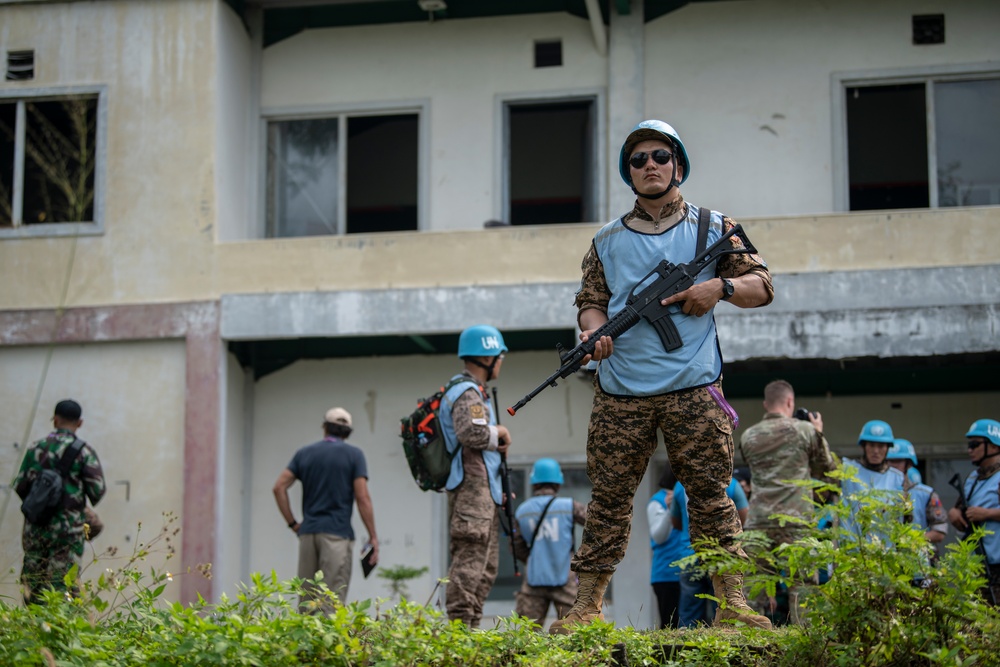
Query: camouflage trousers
point(45, 565)
point(474, 525)
point(698, 434)
point(533, 601)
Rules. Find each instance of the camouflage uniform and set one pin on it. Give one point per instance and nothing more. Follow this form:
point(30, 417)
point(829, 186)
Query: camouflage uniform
point(50, 551)
point(533, 601)
point(474, 523)
point(697, 425)
point(780, 450)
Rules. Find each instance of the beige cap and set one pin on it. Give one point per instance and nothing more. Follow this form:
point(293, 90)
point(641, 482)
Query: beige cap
point(338, 416)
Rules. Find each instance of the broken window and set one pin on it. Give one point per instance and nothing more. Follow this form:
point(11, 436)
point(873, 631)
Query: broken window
point(48, 160)
point(918, 144)
point(342, 175)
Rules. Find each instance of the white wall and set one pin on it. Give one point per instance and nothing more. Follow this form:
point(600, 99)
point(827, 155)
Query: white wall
point(231, 564)
point(133, 405)
point(236, 121)
point(460, 66)
point(747, 86)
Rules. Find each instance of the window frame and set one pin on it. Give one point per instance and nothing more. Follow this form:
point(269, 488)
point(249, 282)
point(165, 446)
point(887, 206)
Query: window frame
point(501, 145)
point(268, 115)
point(53, 93)
point(928, 76)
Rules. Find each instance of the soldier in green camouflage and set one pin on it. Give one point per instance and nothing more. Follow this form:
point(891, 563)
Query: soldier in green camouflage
point(51, 550)
point(779, 450)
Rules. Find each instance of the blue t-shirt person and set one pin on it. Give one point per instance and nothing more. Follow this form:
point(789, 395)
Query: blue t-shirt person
point(327, 470)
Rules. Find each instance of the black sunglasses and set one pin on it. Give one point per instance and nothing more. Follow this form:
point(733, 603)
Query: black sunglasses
point(976, 443)
point(660, 156)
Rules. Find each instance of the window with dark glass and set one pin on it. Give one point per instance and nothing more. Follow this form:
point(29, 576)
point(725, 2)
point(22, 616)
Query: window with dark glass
point(48, 160)
point(342, 175)
point(551, 163)
point(925, 144)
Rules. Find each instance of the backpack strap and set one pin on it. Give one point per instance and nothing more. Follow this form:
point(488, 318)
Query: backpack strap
point(704, 218)
point(69, 456)
point(538, 525)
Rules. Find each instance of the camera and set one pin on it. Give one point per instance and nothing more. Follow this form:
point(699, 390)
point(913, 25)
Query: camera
point(802, 413)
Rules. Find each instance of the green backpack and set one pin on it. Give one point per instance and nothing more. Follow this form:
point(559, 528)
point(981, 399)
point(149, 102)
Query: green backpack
point(424, 444)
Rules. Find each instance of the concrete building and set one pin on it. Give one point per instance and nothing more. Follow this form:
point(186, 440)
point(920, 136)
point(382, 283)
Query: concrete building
point(270, 207)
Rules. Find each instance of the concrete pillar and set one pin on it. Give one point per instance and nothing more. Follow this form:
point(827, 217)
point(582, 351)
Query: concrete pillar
point(626, 95)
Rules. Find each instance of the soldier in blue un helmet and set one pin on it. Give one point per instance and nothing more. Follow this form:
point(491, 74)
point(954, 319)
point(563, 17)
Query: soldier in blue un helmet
point(928, 512)
point(982, 502)
point(469, 425)
point(641, 388)
point(545, 541)
point(872, 471)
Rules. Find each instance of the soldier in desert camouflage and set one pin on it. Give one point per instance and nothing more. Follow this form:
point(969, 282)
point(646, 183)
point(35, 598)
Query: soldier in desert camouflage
point(641, 388)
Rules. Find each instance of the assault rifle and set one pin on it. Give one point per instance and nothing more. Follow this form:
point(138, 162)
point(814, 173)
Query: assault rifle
point(956, 482)
point(508, 498)
point(643, 303)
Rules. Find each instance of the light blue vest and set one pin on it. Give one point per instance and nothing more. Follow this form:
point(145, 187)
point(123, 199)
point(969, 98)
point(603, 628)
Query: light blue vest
point(639, 366)
point(983, 493)
point(913, 475)
point(492, 459)
point(920, 495)
point(868, 480)
point(673, 549)
point(548, 564)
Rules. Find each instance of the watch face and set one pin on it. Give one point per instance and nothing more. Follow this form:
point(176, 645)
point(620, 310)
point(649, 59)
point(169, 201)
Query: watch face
point(727, 288)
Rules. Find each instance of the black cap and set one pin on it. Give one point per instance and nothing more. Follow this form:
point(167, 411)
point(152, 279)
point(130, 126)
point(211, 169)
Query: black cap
point(742, 474)
point(69, 410)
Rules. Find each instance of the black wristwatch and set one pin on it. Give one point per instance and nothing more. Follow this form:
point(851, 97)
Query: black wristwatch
point(727, 289)
point(293, 524)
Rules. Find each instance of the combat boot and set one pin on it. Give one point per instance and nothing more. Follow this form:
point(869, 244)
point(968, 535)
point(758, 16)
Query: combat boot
point(587, 607)
point(732, 605)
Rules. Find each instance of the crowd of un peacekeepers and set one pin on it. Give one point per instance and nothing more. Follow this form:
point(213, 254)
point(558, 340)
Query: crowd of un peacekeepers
point(641, 386)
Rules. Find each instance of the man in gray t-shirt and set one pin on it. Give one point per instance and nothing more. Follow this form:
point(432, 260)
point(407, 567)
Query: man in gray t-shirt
point(334, 476)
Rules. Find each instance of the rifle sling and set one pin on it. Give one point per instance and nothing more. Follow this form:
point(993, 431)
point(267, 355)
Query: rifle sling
point(69, 456)
point(704, 218)
point(538, 525)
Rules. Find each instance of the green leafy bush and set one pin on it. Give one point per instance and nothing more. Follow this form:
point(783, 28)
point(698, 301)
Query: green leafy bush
point(889, 600)
point(871, 612)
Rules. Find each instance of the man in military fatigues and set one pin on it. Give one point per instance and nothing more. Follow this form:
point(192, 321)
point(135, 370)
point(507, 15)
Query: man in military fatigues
point(545, 543)
point(982, 500)
point(780, 449)
point(928, 511)
point(642, 388)
point(469, 425)
point(51, 550)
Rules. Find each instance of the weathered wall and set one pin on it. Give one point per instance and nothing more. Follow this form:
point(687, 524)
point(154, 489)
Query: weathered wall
point(156, 60)
point(133, 399)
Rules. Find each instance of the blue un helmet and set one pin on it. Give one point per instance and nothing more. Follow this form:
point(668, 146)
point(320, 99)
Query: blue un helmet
point(481, 340)
point(546, 471)
point(876, 431)
point(985, 428)
point(653, 129)
point(902, 449)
